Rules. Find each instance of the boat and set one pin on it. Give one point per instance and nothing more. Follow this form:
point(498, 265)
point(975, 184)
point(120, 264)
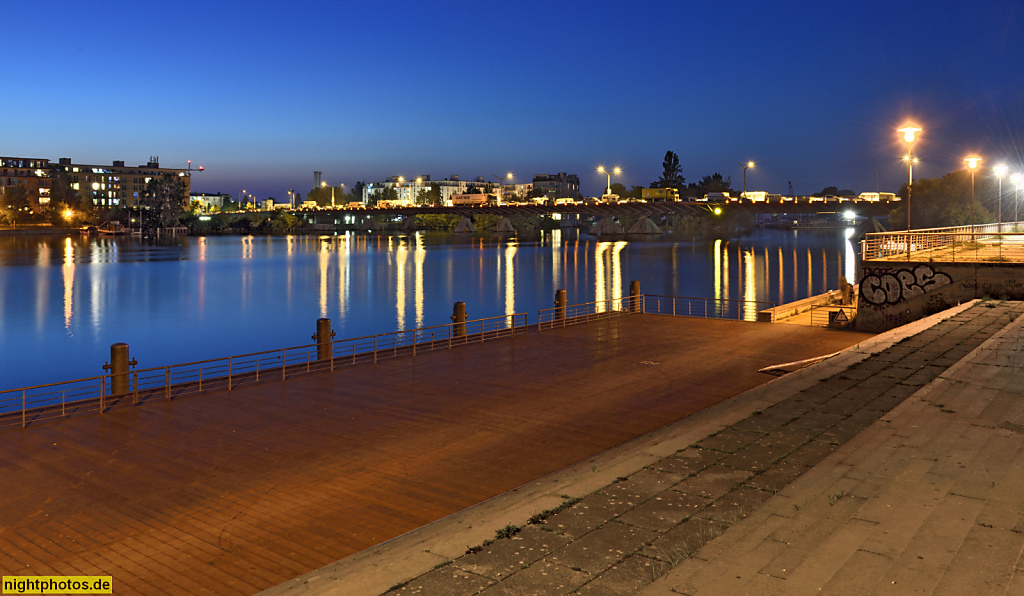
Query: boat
point(112, 228)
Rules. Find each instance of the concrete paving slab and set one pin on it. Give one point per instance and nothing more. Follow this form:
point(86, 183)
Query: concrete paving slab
point(602, 548)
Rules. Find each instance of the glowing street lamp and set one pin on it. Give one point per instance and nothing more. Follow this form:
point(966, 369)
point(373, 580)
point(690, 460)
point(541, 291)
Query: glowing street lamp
point(616, 171)
point(909, 131)
point(1000, 171)
point(749, 164)
point(972, 164)
point(501, 183)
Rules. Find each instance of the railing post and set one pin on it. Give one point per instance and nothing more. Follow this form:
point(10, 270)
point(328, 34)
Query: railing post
point(282, 365)
point(167, 383)
point(23, 406)
point(103, 391)
point(323, 335)
point(135, 382)
point(459, 319)
point(62, 412)
point(375, 349)
point(229, 373)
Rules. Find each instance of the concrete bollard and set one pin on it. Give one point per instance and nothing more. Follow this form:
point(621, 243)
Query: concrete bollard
point(634, 296)
point(560, 303)
point(459, 320)
point(118, 367)
point(323, 336)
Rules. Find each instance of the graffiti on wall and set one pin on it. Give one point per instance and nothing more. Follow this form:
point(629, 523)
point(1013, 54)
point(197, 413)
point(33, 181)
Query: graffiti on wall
point(894, 286)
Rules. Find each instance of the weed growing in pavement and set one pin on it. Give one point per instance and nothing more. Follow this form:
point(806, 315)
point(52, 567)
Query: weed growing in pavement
point(442, 564)
point(537, 518)
point(507, 532)
point(833, 499)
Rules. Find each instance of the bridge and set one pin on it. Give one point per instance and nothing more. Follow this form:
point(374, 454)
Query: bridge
point(637, 209)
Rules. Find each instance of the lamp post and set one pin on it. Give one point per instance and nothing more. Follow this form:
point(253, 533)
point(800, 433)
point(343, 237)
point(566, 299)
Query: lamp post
point(909, 130)
point(1000, 171)
point(749, 164)
point(972, 164)
point(608, 189)
point(501, 183)
point(1016, 179)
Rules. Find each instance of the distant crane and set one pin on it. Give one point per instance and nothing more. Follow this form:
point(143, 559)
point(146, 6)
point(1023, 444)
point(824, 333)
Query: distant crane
point(191, 169)
point(791, 189)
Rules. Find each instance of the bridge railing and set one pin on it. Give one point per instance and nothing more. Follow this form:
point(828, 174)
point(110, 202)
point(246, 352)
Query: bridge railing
point(26, 405)
point(986, 242)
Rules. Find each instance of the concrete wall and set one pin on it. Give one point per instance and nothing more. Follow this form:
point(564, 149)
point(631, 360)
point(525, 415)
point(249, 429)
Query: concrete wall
point(895, 293)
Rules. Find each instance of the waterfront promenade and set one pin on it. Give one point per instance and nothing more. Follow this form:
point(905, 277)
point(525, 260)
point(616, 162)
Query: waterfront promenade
point(234, 492)
point(895, 467)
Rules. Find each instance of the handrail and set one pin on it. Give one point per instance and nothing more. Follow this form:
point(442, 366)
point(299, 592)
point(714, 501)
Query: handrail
point(963, 243)
point(23, 405)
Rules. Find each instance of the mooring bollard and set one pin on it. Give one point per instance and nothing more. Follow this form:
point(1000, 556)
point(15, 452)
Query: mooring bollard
point(560, 305)
point(634, 296)
point(323, 336)
point(118, 367)
point(459, 320)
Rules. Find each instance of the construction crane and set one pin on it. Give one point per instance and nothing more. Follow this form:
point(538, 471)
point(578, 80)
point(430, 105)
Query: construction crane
point(791, 190)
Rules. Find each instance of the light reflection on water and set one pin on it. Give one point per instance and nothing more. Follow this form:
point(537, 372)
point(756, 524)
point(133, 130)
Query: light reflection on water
point(63, 301)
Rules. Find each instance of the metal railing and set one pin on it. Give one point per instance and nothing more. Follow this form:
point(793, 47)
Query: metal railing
point(680, 306)
point(828, 315)
point(980, 243)
point(22, 406)
point(708, 308)
point(575, 314)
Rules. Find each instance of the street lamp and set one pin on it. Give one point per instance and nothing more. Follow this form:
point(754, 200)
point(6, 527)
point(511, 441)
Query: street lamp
point(749, 164)
point(909, 130)
point(501, 183)
point(972, 164)
point(1016, 179)
point(1000, 171)
point(616, 171)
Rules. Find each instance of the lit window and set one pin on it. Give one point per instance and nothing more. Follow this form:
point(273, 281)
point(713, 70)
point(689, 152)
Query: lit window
point(95, 185)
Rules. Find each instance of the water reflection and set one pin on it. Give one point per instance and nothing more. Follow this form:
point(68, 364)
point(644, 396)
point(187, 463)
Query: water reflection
point(68, 272)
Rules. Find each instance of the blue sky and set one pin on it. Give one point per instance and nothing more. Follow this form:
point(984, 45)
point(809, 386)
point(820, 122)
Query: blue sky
point(263, 93)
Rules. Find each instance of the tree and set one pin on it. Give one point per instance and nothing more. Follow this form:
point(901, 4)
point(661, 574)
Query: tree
point(946, 201)
point(356, 194)
point(386, 193)
point(165, 200)
point(430, 195)
point(713, 183)
point(14, 203)
point(832, 191)
point(672, 174)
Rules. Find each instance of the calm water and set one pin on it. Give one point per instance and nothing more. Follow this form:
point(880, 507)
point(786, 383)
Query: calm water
point(63, 301)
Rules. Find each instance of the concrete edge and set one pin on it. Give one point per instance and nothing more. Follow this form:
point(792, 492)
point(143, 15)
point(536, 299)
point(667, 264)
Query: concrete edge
point(418, 551)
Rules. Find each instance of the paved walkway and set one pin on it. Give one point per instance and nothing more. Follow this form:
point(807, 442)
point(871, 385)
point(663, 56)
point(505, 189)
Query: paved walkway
point(826, 479)
point(234, 492)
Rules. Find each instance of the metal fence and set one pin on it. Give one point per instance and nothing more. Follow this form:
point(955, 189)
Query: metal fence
point(26, 405)
point(708, 308)
point(980, 243)
point(588, 311)
point(833, 315)
point(680, 306)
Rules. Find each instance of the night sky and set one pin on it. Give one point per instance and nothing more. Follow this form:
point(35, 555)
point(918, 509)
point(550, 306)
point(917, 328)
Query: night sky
point(263, 93)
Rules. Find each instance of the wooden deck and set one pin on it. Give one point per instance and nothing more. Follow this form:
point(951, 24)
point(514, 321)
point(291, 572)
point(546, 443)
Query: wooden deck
point(233, 492)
